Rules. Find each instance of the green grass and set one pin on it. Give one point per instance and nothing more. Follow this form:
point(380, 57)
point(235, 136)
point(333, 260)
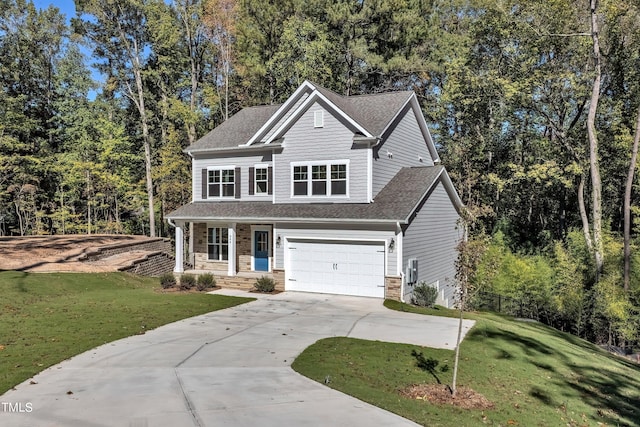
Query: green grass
point(434, 311)
point(47, 318)
point(535, 376)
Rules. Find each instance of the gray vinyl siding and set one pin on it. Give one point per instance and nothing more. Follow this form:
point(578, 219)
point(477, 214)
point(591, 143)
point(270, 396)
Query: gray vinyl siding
point(304, 142)
point(243, 162)
point(432, 238)
point(406, 145)
point(345, 232)
point(284, 118)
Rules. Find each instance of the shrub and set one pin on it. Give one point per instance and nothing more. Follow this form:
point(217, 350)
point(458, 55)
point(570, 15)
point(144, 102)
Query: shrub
point(187, 281)
point(167, 280)
point(206, 281)
point(424, 295)
point(264, 284)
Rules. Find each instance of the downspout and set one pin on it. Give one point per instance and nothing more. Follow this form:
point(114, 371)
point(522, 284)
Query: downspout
point(399, 261)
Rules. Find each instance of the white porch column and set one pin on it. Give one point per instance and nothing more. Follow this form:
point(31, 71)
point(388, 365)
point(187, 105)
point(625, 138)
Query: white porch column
point(179, 268)
point(232, 250)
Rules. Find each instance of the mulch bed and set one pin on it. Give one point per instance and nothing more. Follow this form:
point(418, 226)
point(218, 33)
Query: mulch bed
point(176, 289)
point(439, 394)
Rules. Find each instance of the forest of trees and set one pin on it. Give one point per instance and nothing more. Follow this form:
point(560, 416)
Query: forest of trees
point(534, 106)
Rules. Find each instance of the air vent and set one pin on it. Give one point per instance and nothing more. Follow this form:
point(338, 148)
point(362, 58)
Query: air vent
point(318, 119)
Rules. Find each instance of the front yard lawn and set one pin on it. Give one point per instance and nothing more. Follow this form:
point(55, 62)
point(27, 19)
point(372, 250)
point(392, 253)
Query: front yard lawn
point(534, 375)
point(47, 318)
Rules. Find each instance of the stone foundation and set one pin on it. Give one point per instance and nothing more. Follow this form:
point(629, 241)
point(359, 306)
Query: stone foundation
point(278, 277)
point(393, 287)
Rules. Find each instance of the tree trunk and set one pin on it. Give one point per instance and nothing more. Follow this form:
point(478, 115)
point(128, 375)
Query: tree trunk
point(147, 146)
point(583, 214)
point(457, 356)
point(627, 205)
point(596, 183)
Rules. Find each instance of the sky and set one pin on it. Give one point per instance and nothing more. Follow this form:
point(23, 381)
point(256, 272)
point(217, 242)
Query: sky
point(68, 7)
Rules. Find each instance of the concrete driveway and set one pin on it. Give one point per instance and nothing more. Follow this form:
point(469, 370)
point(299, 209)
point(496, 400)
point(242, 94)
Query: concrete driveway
point(226, 368)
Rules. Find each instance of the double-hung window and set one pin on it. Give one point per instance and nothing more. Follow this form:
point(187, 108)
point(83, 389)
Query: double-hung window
point(300, 180)
point(339, 179)
point(320, 179)
point(218, 243)
point(262, 180)
point(221, 182)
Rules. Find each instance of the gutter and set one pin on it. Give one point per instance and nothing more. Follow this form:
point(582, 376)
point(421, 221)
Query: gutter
point(236, 149)
point(285, 220)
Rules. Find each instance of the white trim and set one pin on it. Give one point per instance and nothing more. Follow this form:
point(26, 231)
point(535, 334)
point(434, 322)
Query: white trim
point(397, 114)
point(231, 266)
point(315, 239)
point(270, 244)
point(370, 175)
point(222, 168)
point(318, 119)
point(328, 164)
point(399, 250)
point(283, 108)
point(273, 184)
point(255, 180)
point(315, 95)
point(228, 226)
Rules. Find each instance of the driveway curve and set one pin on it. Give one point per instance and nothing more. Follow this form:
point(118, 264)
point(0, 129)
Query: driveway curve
point(226, 368)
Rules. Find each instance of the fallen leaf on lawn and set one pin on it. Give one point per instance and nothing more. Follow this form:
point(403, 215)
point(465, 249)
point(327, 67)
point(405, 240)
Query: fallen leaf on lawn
point(1, 347)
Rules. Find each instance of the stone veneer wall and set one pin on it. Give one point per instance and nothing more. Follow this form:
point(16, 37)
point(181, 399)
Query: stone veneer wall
point(392, 287)
point(154, 264)
point(278, 277)
point(243, 247)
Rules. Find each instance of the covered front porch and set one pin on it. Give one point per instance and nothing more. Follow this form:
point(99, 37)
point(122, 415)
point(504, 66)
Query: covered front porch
point(237, 254)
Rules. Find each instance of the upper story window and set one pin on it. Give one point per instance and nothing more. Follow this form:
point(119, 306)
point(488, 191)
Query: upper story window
point(300, 180)
point(221, 183)
point(339, 179)
point(320, 179)
point(262, 180)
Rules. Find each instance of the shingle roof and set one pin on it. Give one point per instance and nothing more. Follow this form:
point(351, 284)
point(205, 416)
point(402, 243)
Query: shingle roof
point(395, 203)
point(236, 130)
point(373, 112)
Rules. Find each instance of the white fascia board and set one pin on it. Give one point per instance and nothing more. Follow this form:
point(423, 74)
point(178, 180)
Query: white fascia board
point(242, 148)
point(306, 85)
point(427, 191)
point(443, 177)
point(451, 190)
point(386, 128)
point(415, 106)
point(262, 220)
point(315, 95)
point(425, 129)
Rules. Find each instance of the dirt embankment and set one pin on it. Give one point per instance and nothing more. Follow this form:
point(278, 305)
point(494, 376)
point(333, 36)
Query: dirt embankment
point(63, 253)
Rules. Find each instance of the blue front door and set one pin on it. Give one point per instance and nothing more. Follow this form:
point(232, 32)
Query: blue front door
point(261, 251)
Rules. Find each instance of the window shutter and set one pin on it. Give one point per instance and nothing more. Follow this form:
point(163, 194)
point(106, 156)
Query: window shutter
point(251, 185)
point(205, 178)
point(270, 180)
point(237, 182)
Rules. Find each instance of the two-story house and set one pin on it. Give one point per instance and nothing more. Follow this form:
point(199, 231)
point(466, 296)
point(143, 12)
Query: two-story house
point(325, 193)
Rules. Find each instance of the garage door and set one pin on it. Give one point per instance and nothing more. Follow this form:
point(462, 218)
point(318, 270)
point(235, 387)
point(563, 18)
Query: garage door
point(346, 268)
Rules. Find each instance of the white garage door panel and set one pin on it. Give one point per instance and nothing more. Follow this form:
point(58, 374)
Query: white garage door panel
point(349, 268)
